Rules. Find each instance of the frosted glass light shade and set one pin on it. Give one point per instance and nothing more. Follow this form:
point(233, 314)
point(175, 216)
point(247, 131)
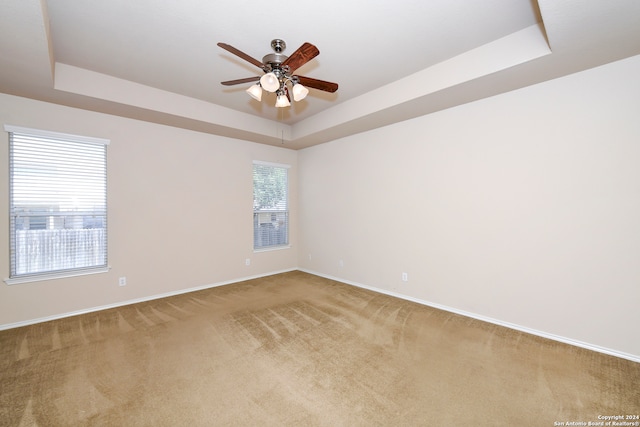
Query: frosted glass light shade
point(282, 101)
point(255, 92)
point(270, 82)
point(299, 92)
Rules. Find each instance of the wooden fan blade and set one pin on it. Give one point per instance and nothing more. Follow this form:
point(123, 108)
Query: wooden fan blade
point(304, 54)
point(317, 84)
point(241, 54)
point(240, 81)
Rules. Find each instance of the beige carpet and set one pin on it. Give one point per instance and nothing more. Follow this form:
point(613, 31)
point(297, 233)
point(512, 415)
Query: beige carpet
point(298, 350)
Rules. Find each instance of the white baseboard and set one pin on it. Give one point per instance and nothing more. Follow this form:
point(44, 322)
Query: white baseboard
point(509, 325)
point(514, 326)
point(137, 300)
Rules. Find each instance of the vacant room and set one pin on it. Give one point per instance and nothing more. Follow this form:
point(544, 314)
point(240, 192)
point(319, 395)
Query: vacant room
point(320, 214)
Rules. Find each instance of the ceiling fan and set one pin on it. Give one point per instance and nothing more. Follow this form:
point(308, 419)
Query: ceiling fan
point(278, 74)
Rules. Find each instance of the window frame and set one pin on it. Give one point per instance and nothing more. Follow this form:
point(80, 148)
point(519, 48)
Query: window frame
point(286, 212)
point(62, 272)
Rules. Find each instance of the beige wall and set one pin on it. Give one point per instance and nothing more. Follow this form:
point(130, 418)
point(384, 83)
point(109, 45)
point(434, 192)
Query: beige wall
point(523, 208)
point(180, 212)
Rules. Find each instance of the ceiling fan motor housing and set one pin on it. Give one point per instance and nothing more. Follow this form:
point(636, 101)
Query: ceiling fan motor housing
point(274, 59)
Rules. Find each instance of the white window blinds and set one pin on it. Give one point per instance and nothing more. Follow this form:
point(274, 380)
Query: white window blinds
point(58, 203)
point(270, 205)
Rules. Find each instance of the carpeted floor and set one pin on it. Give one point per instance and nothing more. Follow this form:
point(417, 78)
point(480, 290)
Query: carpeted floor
point(299, 350)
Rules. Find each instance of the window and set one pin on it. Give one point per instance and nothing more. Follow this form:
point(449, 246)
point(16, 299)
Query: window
point(270, 205)
point(57, 206)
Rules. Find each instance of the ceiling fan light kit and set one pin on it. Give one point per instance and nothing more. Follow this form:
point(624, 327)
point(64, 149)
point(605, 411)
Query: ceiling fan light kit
point(255, 91)
point(278, 73)
point(270, 82)
point(282, 100)
point(299, 92)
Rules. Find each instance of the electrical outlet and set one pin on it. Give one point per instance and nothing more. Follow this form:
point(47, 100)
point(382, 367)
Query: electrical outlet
point(122, 281)
point(405, 277)
point(247, 261)
point(341, 263)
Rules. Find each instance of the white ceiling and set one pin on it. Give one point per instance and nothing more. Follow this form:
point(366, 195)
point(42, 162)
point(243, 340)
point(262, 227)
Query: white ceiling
point(157, 60)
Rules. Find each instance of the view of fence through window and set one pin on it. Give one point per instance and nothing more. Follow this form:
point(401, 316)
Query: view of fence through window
point(58, 212)
point(270, 205)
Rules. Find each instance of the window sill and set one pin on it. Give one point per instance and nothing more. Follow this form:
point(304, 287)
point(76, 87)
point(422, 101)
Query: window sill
point(271, 248)
point(51, 276)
